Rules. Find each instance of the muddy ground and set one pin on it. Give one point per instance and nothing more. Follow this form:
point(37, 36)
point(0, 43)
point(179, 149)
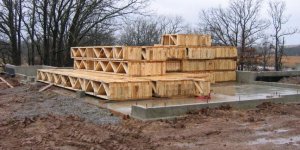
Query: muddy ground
point(33, 120)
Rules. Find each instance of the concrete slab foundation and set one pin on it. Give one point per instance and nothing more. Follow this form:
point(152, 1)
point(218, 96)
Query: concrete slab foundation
point(154, 113)
point(224, 92)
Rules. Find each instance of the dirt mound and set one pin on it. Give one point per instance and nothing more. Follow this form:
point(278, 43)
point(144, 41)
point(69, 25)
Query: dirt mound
point(66, 132)
point(219, 111)
point(225, 107)
point(272, 108)
point(266, 105)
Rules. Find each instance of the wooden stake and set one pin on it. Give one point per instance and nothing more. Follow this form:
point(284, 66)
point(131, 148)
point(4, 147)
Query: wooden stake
point(6, 82)
point(45, 87)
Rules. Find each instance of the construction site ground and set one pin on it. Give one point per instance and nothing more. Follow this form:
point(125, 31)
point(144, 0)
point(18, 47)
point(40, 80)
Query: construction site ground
point(48, 120)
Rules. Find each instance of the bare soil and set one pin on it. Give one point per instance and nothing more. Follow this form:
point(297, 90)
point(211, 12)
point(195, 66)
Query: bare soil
point(26, 123)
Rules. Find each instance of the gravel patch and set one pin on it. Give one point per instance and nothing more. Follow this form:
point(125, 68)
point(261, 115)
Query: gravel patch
point(35, 104)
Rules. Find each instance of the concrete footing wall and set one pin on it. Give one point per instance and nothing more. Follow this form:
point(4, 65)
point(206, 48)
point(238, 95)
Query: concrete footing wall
point(276, 84)
point(246, 76)
point(27, 70)
point(251, 76)
point(155, 113)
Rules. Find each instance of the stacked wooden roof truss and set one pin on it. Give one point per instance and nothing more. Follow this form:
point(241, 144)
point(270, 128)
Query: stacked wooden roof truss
point(181, 65)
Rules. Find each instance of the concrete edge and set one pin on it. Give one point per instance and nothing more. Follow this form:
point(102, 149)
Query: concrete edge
point(156, 113)
point(250, 76)
point(276, 84)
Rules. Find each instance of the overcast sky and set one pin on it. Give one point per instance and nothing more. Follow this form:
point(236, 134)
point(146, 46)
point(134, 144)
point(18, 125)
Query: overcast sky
point(189, 10)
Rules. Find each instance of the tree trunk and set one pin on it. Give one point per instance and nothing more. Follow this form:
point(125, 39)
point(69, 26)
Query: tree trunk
point(45, 34)
point(242, 51)
point(276, 53)
point(19, 33)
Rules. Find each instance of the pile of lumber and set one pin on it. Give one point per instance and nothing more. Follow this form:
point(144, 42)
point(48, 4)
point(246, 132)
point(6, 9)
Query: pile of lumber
point(195, 54)
point(181, 65)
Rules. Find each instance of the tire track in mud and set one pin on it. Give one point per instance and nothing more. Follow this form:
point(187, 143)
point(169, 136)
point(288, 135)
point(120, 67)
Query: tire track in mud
point(108, 139)
point(120, 129)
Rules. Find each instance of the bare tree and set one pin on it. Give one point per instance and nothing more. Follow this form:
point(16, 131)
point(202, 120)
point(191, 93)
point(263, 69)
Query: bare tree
point(281, 53)
point(222, 24)
point(170, 24)
point(53, 26)
point(97, 12)
point(238, 25)
point(101, 35)
point(265, 52)
point(140, 32)
point(147, 31)
point(249, 24)
point(30, 22)
point(5, 49)
point(277, 13)
point(10, 25)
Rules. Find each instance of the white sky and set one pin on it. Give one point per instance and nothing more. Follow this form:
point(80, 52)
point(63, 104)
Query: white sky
point(189, 10)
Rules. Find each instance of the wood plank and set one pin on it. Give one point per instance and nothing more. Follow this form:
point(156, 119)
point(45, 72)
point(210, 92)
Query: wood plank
point(186, 40)
point(174, 66)
point(155, 53)
point(8, 84)
point(224, 76)
point(45, 87)
point(130, 68)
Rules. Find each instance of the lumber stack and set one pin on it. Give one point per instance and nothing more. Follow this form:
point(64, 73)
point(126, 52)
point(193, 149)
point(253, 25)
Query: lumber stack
point(181, 65)
point(126, 60)
point(195, 54)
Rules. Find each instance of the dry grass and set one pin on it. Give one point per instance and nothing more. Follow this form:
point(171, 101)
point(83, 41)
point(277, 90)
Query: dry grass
point(291, 61)
point(288, 61)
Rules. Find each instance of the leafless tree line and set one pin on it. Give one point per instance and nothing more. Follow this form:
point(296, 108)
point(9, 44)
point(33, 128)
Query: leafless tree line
point(241, 25)
point(50, 27)
point(147, 31)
